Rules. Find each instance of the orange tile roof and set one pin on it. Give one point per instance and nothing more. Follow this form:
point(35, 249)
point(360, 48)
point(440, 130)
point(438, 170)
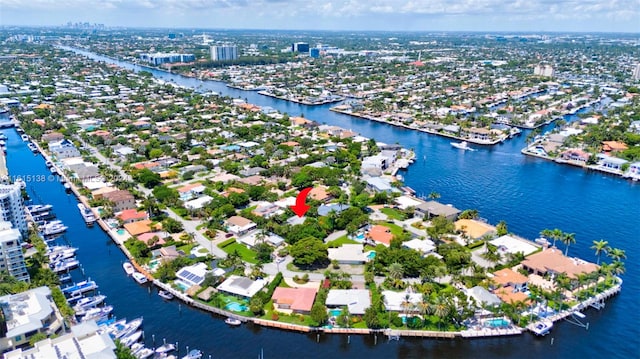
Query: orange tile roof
point(608, 146)
point(319, 194)
point(553, 260)
point(131, 214)
point(507, 275)
point(380, 234)
point(140, 227)
point(507, 295)
point(299, 299)
point(473, 228)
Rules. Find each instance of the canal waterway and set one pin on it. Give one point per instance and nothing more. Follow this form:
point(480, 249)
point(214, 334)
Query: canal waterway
point(530, 194)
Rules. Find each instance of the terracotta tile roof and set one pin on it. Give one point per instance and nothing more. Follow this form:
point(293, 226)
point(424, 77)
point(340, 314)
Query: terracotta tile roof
point(319, 194)
point(507, 295)
point(380, 234)
point(132, 214)
point(299, 299)
point(140, 227)
point(553, 260)
point(473, 228)
point(507, 275)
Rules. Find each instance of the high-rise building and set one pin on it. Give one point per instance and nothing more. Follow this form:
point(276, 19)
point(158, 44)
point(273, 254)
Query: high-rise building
point(301, 47)
point(636, 72)
point(315, 53)
point(544, 70)
point(224, 53)
point(12, 207)
point(162, 58)
point(11, 257)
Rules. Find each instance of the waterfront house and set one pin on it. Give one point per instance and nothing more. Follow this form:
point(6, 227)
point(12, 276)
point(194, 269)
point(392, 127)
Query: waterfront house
point(576, 155)
point(121, 200)
point(379, 184)
point(85, 173)
point(140, 227)
point(609, 162)
point(320, 193)
point(193, 274)
point(239, 225)
point(100, 192)
point(26, 314)
point(509, 244)
point(242, 286)
point(434, 209)
point(474, 229)
point(483, 297)
point(404, 302)
point(63, 149)
point(480, 134)
point(294, 300)
point(132, 215)
point(507, 277)
point(551, 261)
point(348, 254)
point(613, 146)
point(356, 300)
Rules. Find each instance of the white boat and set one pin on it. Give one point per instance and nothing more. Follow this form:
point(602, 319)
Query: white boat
point(67, 186)
point(64, 265)
point(232, 321)
point(25, 137)
point(136, 347)
point(128, 268)
point(144, 353)
point(193, 354)
point(86, 303)
point(128, 328)
point(165, 348)
point(37, 208)
point(81, 287)
point(462, 145)
point(48, 163)
point(87, 214)
point(542, 328)
point(165, 295)
point(139, 277)
point(97, 313)
point(53, 227)
point(131, 338)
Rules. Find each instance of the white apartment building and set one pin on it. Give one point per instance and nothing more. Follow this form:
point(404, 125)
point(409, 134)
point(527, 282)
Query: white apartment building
point(11, 257)
point(224, 53)
point(12, 207)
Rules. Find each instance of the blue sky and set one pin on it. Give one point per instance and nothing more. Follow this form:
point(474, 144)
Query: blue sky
point(449, 15)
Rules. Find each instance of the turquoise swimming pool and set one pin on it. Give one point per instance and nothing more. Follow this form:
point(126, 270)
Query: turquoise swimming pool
point(236, 307)
point(497, 323)
point(371, 255)
point(335, 312)
point(121, 232)
point(359, 237)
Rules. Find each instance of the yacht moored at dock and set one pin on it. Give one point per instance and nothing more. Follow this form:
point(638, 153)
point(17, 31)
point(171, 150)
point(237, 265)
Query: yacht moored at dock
point(139, 277)
point(80, 288)
point(128, 268)
point(87, 214)
point(541, 328)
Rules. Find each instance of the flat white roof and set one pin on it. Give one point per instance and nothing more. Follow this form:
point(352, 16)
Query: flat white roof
point(242, 286)
point(513, 245)
point(357, 300)
point(393, 300)
point(347, 252)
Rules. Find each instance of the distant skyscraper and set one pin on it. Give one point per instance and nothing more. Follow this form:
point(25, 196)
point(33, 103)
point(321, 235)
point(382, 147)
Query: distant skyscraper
point(636, 72)
point(315, 53)
point(544, 70)
point(162, 58)
point(301, 47)
point(224, 53)
point(12, 207)
point(11, 257)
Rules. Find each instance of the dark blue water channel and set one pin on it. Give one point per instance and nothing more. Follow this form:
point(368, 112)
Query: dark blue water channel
point(530, 194)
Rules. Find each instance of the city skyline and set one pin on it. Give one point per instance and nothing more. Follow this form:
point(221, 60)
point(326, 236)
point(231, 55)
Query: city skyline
point(418, 15)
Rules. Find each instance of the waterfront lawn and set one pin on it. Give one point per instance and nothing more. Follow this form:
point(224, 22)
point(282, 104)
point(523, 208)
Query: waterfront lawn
point(393, 213)
point(299, 319)
point(245, 253)
point(340, 241)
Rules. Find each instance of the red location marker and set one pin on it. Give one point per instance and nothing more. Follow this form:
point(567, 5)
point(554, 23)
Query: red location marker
point(301, 207)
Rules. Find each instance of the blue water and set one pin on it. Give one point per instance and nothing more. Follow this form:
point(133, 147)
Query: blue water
point(335, 312)
point(530, 194)
point(371, 255)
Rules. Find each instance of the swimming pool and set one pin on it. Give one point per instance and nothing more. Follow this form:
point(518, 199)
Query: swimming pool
point(236, 307)
point(121, 232)
point(359, 237)
point(335, 312)
point(181, 285)
point(153, 265)
point(371, 255)
point(497, 323)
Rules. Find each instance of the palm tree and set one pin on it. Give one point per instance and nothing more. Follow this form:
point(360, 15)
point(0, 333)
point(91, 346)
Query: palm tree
point(599, 246)
point(554, 234)
point(433, 195)
point(407, 306)
point(395, 271)
point(440, 308)
point(616, 254)
point(617, 267)
point(568, 239)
